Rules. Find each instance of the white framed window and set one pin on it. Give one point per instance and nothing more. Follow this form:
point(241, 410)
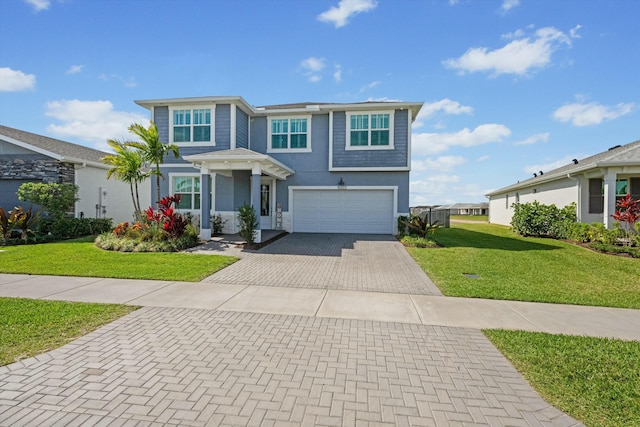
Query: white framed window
point(191, 126)
point(370, 131)
point(289, 134)
point(188, 187)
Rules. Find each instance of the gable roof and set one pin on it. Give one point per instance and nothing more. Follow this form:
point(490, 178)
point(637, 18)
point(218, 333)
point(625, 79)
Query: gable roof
point(619, 155)
point(55, 148)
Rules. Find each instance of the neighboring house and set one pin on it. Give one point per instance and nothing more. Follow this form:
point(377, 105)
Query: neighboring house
point(593, 184)
point(27, 157)
point(467, 208)
point(306, 167)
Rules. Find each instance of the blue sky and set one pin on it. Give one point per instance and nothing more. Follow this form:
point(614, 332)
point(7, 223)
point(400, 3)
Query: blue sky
point(510, 86)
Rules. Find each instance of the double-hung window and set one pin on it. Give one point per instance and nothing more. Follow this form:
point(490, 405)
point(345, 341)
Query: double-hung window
point(369, 131)
point(188, 187)
point(191, 126)
point(289, 134)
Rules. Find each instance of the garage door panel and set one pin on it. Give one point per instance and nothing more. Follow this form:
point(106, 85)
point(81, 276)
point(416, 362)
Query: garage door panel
point(343, 211)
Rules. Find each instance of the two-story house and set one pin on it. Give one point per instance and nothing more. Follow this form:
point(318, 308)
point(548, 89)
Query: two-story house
point(322, 168)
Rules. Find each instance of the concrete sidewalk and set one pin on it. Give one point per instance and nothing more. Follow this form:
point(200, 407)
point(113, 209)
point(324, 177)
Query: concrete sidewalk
point(322, 303)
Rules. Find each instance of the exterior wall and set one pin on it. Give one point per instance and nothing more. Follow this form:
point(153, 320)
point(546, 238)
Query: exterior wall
point(161, 119)
point(242, 129)
point(396, 157)
point(222, 127)
point(8, 149)
point(117, 201)
point(560, 193)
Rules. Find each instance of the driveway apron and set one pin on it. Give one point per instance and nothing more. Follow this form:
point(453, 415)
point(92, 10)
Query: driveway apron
point(349, 262)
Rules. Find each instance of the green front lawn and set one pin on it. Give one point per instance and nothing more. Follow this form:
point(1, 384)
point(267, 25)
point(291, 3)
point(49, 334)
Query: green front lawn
point(595, 380)
point(478, 218)
point(527, 269)
point(30, 327)
point(82, 258)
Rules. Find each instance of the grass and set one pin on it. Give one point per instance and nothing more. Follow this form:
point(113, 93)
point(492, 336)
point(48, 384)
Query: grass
point(82, 258)
point(595, 380)
point(527, 269)
point(30, 327)
point(479, 218)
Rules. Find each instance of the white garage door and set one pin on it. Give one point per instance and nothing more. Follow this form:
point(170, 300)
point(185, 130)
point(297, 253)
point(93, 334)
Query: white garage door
point(343, 211)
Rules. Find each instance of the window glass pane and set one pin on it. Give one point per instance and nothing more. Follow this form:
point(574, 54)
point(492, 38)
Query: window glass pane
point(279, 141)
point(379, 137)
point(279, 126)
point(298, 125)
point(185, 201)
point(359, 122)
point(196, 184)
point(379, 121)
point(196, 202)
point(181, 184)
point(181, 134)
point(202, 117)
point(360, 138)
point(621, 187)
point(299, 140)
point(202, 133)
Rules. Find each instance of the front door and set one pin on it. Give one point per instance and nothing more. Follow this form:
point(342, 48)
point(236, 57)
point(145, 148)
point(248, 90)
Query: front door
point(267, 190)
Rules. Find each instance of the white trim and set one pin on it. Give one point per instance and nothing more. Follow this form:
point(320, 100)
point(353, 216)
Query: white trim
point(197, 175)
point(211, 143)
point(178, 165)
point(331, 140)
point(233, 124)
point(307, 149)
point(347, 144)
point(393, 188)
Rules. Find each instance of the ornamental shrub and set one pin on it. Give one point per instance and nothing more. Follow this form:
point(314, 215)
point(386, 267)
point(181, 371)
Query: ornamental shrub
point(248, 222)
point(538, 220)
point(56, 199)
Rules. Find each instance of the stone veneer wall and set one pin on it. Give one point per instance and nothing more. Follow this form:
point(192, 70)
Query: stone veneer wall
point(47, 171)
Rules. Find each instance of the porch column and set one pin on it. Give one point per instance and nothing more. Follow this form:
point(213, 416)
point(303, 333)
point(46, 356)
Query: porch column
point(256, 173)
point(205, 202)
point(609, 198)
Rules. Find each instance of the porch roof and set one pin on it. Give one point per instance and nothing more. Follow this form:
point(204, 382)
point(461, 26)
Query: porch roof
point(226, 161)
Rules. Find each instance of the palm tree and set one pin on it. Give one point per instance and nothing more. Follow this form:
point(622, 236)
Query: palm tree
point(151, 148)
point(126, 165)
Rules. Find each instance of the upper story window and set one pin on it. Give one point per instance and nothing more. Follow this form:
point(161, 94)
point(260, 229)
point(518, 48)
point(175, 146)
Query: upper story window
point(369, 131)
point(191, 126)
point(289, 134)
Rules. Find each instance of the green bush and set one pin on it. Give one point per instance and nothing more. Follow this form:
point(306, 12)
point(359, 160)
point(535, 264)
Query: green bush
point(248, 222)
point(71, 228)
point(418, 242)
point(579, 232)
point(402, 225)
point(538, 220)
point(135, 240)
point(56, 199)
point(616, 249)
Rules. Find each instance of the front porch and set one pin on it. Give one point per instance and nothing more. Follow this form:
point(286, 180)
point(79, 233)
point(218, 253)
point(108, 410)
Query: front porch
point(264, 172)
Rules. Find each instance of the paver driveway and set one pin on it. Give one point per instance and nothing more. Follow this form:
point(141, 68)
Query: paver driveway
point(190, 367)
point(354, 262)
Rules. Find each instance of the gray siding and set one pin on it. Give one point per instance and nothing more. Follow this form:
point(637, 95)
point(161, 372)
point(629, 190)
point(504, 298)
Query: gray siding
point(161, 119)
point(371, 158)
point(224, 193)
point(241, 189)
point(223, 127)
point(242, 129)
point(7, 148)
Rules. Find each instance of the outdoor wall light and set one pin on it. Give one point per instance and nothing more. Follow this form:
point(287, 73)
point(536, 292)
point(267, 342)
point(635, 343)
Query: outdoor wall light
point(341, 184)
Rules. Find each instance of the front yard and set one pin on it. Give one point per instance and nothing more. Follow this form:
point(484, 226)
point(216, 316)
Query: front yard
point(527, 269)
point(82, 258)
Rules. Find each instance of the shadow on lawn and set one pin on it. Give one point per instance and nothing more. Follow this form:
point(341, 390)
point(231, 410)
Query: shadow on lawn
point(456, 237)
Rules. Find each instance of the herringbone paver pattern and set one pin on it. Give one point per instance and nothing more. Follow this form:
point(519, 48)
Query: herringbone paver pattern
point(189, 367)
point(347, 262)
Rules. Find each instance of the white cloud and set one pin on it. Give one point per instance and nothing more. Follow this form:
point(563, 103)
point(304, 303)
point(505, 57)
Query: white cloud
point(573, 33)
point(337, 75)
point(507, 5)
point(311, 68)
point(91, 121)
point(483, 158)
point(383, 99)
point(580, 114)
point(546, 167)
point(431, 143)
point(75, 69)
point(445, 105)
point(339, 16)
point(126, 81)
point(15, 81)
point(534, 139)
point(369, 86)
point(442, 163)
point(39, 5)
point(518, 57)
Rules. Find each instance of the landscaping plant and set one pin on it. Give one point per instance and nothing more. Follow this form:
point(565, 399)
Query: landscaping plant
point(538, 220)
point(56, 199)
point(418, 226)
point(628, 213)
point(248, 222)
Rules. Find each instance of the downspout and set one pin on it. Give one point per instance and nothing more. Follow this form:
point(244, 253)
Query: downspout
point(579, 207)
